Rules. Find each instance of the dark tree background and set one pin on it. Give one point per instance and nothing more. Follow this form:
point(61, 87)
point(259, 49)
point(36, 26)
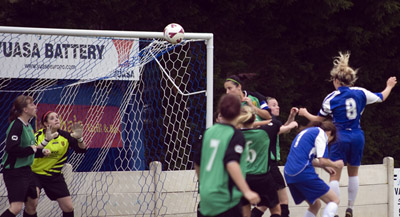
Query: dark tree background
point(286, 45)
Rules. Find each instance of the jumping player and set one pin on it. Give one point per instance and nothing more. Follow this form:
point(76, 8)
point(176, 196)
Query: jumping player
point(221, 164)
point(309, 149)
point(345, 105)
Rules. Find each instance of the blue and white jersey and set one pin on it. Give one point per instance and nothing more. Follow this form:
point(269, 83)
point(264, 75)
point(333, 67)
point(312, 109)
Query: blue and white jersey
point(309, 144)
point(347, 104)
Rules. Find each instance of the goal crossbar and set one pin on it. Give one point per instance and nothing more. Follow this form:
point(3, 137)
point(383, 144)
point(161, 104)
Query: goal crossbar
point(209, 37)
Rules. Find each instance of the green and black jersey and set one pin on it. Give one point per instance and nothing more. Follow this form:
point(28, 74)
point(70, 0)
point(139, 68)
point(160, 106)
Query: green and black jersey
point(258, 141)
point(18, 153)
point(255, 102)
point(221, 144)
point(52, 164)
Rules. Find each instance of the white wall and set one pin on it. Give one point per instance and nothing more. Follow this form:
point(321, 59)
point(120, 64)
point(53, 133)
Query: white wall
point(176, 193)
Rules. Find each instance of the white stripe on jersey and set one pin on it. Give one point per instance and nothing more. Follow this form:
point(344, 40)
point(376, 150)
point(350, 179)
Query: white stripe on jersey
point(371, 97)
point(326, 108)
point(320, 143)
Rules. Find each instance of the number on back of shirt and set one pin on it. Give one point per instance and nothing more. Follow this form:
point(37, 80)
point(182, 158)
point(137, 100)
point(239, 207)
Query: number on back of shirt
point(252, 155)
point(214, 143)
point(351, 109)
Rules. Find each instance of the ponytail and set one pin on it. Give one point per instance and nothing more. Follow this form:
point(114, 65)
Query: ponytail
point(18, 106)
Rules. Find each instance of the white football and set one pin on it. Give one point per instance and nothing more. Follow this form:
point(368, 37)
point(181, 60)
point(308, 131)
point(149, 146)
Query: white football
point(174, 33)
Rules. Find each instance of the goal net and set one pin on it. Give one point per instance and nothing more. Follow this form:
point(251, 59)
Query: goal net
point(142, 101)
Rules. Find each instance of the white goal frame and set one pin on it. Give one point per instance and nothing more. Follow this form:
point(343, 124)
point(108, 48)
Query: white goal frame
point(208, 37)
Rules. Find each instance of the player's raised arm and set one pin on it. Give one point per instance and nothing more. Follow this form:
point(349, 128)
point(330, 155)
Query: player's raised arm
point(303, 112)
point(390, 83)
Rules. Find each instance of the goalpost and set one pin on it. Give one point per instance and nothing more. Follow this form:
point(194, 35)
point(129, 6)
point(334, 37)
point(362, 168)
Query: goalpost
point(141, 99)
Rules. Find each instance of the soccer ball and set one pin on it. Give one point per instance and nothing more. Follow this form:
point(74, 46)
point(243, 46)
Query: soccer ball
point(174, 33)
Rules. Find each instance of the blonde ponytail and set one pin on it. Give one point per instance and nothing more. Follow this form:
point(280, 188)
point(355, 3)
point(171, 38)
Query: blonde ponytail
point(246, 118)
point(342, 71)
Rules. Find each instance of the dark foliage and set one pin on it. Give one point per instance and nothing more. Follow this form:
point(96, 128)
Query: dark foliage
point(287, 44)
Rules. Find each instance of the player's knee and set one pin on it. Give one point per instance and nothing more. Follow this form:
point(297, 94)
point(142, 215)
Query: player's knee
point(15, 207)
point(65, 204)
point(30, 205)
point(316, 205)
point(68, 208)
point(336, 200)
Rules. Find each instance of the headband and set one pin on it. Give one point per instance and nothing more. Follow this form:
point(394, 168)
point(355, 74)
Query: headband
point(45, 115)
point(233, 80)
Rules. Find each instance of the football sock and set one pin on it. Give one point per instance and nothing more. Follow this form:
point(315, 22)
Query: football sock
point(68, 214)
point(256, 212)
point(285, 210)
point(309, 214)
point(334, 185)
point(7, 213)
point(330, 209)
point(352, 190)
point(27, 215)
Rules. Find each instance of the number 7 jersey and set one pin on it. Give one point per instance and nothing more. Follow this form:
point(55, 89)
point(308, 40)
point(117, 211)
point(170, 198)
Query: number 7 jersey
point(346, 106)
point(221, 144)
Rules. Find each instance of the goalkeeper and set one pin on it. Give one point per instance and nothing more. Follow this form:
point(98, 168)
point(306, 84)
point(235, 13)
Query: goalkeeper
point(47, 169)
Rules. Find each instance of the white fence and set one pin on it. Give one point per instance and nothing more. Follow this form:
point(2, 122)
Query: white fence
point(375, 196)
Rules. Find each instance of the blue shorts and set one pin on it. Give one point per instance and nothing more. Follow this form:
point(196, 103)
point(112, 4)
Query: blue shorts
point(349, 147)
point(309, 190)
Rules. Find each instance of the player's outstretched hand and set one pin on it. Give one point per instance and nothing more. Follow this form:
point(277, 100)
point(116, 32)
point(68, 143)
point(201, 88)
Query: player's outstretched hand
point(302, 111)
point(252, 197)
point(49, 135)
point(77, 130)
point(247, 100)
point(294, 111)
point(330, 170)
point(46, 152)
point(391, 82)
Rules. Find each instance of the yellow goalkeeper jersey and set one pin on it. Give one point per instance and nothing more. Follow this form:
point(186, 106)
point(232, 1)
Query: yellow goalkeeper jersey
point(52, 164)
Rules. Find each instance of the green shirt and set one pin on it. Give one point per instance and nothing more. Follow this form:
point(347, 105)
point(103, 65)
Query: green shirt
point(18, 152)
point(256, 103)
point(221, 144)
point(259, 143)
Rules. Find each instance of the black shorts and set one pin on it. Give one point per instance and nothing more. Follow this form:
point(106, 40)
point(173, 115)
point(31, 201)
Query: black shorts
point(235, 211)
point(266, 188)
point(20, 184)
point(54, 186)
point(277, 175)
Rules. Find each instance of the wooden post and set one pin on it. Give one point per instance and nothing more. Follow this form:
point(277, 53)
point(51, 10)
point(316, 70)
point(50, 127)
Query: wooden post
point(156, 169)
point(389, 162)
